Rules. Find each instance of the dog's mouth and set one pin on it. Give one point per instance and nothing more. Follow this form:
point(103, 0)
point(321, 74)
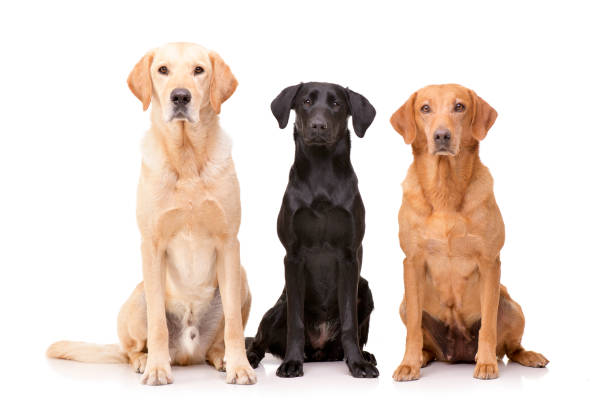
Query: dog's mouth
point(444, 152)
point(180, 115)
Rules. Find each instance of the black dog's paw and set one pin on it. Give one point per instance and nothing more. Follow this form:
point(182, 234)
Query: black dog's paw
point(290, 369)
point(362, 369)
point(369, 357)
point(253, 358)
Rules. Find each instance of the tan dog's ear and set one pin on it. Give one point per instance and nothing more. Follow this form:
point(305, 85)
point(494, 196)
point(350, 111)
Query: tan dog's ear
point(139, 80)
point(483, 117)
point(403, 120)
point(222, 84)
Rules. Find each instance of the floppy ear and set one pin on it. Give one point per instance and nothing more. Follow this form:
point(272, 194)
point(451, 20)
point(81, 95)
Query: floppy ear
point(222, 83)
point(283, 103)
point(483, 117)
point(139, 80)
point(403, 120)
point(362, 111)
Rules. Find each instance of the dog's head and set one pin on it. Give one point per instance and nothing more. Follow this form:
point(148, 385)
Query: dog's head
point(443, 119)
point(322, 111)
point(182, 80)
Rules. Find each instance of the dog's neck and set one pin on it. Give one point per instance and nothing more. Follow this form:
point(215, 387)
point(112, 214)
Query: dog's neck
point(445, 179)
point(186, 145)
point(312, 162)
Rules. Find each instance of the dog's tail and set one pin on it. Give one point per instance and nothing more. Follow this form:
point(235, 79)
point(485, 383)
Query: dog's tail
point(87, 352)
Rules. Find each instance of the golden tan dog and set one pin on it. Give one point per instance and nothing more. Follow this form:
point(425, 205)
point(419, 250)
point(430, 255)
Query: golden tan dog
point(197, 296)
point(451, 232)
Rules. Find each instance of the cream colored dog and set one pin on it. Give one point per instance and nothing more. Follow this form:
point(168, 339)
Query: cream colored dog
point(195, 299)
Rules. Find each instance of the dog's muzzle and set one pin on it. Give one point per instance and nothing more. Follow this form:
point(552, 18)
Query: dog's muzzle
point(180, 98)
point(442, 142)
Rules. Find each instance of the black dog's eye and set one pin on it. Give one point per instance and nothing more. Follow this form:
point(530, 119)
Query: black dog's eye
point(198, 70)
point(335, 103)
point(459, 107)
point(163, 70)
point(307, 102)
point(425, 109)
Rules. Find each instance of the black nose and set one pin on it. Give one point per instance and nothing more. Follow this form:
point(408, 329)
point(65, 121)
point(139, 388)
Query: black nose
point(180, 96)
point(442, 137)
point(318, 124)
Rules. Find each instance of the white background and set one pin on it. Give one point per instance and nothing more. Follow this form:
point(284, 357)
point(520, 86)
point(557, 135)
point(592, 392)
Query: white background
point(69, 163)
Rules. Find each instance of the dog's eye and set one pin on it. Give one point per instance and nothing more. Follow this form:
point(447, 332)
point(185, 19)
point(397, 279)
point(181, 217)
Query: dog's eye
point(335, 103)
point(425, 109)
point(198, 70)
point(307, 102)
point(459, 107)
point(163, 70)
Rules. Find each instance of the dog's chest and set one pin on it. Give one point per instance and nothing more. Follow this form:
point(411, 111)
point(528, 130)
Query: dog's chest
point(191, 223)
point(323, 223)
point(451, 257)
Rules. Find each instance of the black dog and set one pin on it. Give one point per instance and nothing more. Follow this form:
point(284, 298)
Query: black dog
point(324, 311)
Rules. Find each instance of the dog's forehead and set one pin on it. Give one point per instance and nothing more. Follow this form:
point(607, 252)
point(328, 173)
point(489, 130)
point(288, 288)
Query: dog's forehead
point(182, 53)
point(322, 89)
point(443, 94)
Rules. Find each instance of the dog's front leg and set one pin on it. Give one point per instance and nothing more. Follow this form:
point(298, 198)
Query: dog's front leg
point(486, 358)
point(238, 369)
point(412, 312)
point(348, 282)
point(295, 282)
point(157, 370)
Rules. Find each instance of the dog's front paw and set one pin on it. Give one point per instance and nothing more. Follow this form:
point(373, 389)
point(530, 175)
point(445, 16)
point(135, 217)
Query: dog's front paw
point(241, 374)
point(290, 369)
point(486, 370)
point(362, 369)
point(157, 374)
point(407, 372)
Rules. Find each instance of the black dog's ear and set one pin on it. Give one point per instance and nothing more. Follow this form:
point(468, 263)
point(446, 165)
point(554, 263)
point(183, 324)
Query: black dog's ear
point(281, 105)
point(362, 111)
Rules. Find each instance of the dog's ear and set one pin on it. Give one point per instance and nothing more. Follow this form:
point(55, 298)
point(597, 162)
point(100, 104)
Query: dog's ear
point(361, 110)
point(281, 105)
point(139, 80)
point(403, 120)
point(222, 82)
point(483, 116)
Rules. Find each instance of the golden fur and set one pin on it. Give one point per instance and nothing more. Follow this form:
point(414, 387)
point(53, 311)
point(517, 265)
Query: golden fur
point(451, 232)
point(188, 214)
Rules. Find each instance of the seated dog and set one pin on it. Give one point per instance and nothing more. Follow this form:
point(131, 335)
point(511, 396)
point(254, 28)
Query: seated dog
point(324, 311)
point(451, 231)
point(194, 300)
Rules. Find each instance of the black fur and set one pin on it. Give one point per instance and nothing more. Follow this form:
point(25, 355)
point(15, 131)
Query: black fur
point(321, 225)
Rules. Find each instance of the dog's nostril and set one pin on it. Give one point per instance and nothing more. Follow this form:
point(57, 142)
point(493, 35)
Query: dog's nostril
point(447, 136)
point(180, 96)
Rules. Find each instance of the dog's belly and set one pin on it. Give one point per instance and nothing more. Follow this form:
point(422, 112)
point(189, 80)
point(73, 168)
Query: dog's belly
point(193, 304)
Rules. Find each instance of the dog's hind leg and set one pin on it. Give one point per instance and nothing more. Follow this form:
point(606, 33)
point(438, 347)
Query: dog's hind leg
point(365, 306)
point(132, 329)
point(271, 334)
point(510, 332)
